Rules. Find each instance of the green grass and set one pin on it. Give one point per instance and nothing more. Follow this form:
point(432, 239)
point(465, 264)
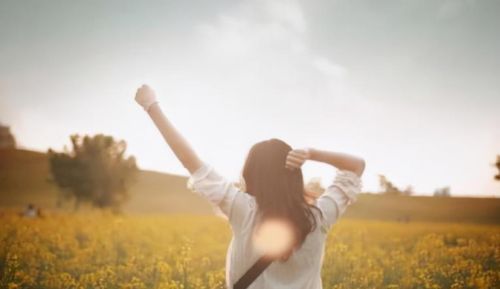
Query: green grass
point(25, 178)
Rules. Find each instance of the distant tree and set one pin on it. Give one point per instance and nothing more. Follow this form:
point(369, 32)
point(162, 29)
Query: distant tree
point(313, 189)
point(497, 164)
point(7, 140)
point(408, 191)
point(442, 192)
point(95, 171)
point(388, 188)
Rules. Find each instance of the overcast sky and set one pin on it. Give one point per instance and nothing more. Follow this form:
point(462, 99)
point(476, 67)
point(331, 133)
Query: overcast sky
point(411, 85)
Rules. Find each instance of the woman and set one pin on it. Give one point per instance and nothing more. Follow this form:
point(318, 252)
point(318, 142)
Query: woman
point(272, 197)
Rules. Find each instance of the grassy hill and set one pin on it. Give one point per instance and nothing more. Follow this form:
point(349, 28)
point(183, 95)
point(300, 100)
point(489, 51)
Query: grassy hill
point(426, 209)
point(25, 178)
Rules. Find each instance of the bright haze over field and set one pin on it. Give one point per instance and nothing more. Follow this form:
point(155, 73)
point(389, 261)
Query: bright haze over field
point(412, 86)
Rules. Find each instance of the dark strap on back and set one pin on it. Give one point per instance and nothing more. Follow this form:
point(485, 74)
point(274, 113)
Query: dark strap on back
point(253, 273)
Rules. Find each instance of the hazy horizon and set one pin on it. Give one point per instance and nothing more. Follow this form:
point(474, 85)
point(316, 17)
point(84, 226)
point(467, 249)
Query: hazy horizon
point(412, 86)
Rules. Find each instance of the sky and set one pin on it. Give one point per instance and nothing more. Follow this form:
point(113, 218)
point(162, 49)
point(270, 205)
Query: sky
point(412, 86)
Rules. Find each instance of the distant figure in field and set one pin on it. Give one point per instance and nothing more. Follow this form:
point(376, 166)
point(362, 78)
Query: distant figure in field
point(278, 237)
point(30, 211)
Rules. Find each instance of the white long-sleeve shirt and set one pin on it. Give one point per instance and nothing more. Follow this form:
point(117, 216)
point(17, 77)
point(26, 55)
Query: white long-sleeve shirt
point(303, 269)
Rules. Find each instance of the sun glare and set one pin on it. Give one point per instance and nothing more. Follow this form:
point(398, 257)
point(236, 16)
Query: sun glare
point(273, 237)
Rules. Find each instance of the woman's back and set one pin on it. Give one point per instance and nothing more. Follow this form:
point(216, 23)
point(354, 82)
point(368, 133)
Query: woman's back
point(301, 270)
point(303, 267)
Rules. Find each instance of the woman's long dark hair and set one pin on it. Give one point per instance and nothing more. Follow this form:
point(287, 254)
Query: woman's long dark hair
point(279, 191)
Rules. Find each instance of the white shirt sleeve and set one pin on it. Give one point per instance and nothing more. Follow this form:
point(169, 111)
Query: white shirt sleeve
point(338, 196)
point(221, 193)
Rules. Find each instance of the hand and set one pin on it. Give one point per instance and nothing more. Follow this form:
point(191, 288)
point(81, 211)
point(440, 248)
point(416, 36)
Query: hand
point(296, 158)
point(145, 97)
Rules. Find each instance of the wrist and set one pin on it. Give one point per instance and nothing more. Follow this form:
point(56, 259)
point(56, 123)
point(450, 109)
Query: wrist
point(148, 107)
point(311, 153)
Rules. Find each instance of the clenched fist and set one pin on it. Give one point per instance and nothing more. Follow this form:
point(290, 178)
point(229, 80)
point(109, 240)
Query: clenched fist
point(145, 97)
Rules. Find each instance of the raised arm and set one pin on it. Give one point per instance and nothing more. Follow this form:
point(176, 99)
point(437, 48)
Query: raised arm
point(146, 97)
point(343, 190)
point(341, 161)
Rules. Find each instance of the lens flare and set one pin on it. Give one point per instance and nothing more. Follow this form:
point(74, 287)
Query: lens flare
point(273, 237)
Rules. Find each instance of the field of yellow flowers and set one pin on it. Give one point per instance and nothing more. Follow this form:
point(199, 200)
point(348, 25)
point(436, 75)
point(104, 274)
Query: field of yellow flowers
point(105, 251)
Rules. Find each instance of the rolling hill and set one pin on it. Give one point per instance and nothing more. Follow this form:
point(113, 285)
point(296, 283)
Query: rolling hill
point(25, 178)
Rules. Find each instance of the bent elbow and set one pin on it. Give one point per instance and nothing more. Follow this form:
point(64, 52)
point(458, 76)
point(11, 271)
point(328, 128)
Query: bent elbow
point(360, 167)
